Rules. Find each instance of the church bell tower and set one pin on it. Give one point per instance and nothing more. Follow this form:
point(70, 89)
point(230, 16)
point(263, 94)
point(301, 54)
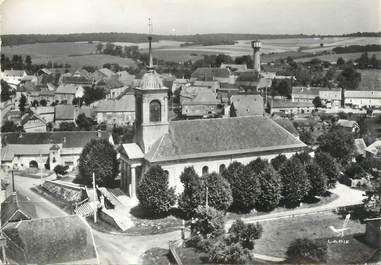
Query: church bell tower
point(151, 105)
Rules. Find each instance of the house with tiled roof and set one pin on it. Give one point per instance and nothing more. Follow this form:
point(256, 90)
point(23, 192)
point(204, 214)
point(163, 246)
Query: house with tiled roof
point(198, 102)
point(247, 105)
point(104, 73)
point(116, 112)
point(362, 98)
point(16, 207)
point(223, 75)
point(287, 106)
point(13, 77)
point(33, 122)
point(235, 68)
point(57, 240)
point(35, 150)
point(65, 93)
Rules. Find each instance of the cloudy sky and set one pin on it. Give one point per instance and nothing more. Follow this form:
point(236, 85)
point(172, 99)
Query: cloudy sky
point(190, 16)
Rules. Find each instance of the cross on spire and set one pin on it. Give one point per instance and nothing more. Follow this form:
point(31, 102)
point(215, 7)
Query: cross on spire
point(150, 63)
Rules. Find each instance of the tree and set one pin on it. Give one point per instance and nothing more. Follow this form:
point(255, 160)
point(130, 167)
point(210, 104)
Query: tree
point(98, 157)
point(244, 185)
point(6, 91)
point(22, 103)
point(223, 253)
point(245, 234)
point(192, 193)
point(329, 166)
point(270, 186)
point(278, 161)
point(9, 126)
point(60, 170)
point(93, 94)
point(318, 180)
point(43, 102)
point(304, 157)
point(317, 102)
point(207, 222)
point(372, 202)
point(154, 193)
point(349, 78)
point(339, 143)
point(219, 191)
point(83, 122)
point(99, 47)
point(124, 134)
point(306, 251)
point(66, 126)
point(306, 137)
point(35, 103)
point(294, 182)
point(232, 111)
point(340, 61)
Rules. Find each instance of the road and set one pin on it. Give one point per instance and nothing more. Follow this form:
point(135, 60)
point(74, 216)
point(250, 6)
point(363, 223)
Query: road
point(44, 208)
point(112, 248)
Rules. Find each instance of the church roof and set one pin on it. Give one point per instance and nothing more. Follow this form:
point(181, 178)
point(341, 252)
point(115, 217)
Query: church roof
point(218, 137)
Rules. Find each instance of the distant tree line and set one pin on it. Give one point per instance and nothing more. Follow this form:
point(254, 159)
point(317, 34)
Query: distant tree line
point(357, 48)
point(17, 39)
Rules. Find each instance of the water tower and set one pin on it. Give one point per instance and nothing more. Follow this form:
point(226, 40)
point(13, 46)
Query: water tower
point(256, 45)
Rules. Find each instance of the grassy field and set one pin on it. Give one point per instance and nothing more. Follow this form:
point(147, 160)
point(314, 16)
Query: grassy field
point(277, 235)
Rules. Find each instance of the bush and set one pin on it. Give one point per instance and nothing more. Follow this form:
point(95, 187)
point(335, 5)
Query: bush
point(192, 194)
point(245, 234)
point(98, 156)
point(223, 253)
point(306, 251)
point(219, 191)
point(154, 193)
point(270, 186)
point(60, 170)
point(207, 222)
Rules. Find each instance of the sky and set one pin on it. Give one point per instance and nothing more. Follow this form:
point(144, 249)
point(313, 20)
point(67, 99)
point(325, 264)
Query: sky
point(190, 16)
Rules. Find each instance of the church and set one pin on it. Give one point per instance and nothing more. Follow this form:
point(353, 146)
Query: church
point(209, 145)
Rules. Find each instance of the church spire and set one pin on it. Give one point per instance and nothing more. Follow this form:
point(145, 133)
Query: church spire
point(150, 63)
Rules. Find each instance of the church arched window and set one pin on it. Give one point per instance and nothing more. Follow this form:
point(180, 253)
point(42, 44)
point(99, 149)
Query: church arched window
point(155, 111)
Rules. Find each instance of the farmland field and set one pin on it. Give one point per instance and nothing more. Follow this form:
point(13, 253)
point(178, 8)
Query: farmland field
point(74, 53)
point(334, 57)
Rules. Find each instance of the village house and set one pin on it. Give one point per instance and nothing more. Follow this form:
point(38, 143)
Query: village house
point(47, 113)
point(349, 125)
point(13, 77)
point(223, 75)
point(247, 105)
point(212, 85)
point(235, 68)
point(126, 78)
point(116, 112)
point(206, 144)
point(374, 149)
point(198, 102)
point(289, 107)
point(65, 93)
point(331, 97)
point(104, 73)
point(45, 149)
point(116, 92)
point(362, 98)
point(178, 83)
point(33, 122)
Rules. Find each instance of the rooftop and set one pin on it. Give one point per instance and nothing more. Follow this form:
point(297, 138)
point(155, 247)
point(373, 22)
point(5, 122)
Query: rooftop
point(67, 89)
point(219, 137)
point(209, 73)
point(127, 103)
point(285, 103)
point(15, 208)
point(247, 105)
point(64, 112)
point(51, 240)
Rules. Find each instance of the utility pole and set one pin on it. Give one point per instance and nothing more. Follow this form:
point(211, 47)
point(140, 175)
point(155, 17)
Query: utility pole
point(13, 182)
point(41, 169)
point(95, 200)
point(207, 194)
